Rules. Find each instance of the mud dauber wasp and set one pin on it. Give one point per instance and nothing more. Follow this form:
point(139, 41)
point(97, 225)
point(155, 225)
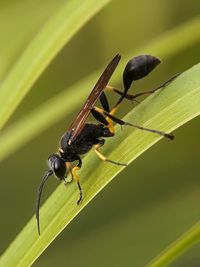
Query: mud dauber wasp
point(82, 136)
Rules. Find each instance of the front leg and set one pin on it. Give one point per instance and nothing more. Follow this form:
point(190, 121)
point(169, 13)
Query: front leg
point(77, 178)
point(69, 171)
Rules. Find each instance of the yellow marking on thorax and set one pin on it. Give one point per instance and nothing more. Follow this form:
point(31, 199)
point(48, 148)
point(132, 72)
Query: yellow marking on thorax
point(61, 150)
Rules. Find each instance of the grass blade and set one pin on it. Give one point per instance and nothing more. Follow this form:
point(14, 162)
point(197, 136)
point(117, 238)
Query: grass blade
point(177, 248)
point(47, 43)
point(166, 110)
point(47, 114)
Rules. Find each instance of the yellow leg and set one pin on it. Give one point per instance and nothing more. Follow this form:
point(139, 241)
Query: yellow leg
point(112, 112)
point(77, 179)
point(69, 171)
point(110, 125)
point(102, 157)
point(75, 175)
point(110, 122)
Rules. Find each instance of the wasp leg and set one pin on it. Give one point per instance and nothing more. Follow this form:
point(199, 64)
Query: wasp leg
point(110, 118)
point(121, 122)
point(69, 170)
point(106, 121)
point(77, 179)
point(133, 97)
point(157, 88)
point(102, 157)
point(104, 102)
point(119, 92)
point(98, 116)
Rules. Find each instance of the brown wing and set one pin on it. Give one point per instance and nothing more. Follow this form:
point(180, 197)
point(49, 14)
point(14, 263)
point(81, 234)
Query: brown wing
point(78, 124)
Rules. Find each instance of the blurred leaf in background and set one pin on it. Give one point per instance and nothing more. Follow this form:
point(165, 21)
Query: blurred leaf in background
point(156, 198)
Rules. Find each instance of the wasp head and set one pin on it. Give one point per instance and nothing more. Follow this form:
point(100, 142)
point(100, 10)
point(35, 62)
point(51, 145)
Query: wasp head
point(57, 165)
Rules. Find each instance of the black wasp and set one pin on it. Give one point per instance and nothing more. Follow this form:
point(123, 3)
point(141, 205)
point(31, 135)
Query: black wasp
point(82, 136)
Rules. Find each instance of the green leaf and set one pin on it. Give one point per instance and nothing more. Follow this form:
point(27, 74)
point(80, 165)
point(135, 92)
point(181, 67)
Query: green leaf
point(165, 110)
point(47, 114)
point(47, 43)
point(41, 118)
point(177, 248)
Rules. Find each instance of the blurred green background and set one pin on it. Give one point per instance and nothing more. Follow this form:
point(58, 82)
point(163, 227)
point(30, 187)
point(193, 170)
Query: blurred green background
point(157, 197)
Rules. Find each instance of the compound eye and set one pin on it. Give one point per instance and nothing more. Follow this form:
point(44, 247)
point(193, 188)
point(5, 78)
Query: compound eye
point(57, 165)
